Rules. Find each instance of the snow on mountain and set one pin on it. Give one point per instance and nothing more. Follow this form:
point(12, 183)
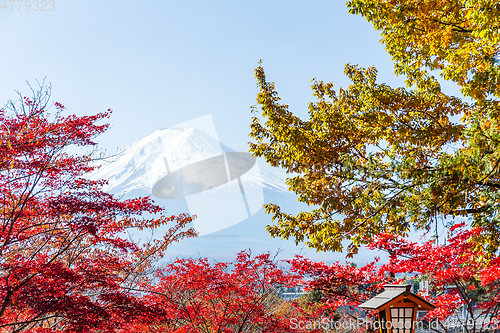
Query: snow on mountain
point(142, 164)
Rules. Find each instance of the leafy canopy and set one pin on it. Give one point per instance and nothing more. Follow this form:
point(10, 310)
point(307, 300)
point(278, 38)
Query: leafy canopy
point(374, 158)
point(193, 295)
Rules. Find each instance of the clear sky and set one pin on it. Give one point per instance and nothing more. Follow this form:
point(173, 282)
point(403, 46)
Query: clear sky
point(160, 63)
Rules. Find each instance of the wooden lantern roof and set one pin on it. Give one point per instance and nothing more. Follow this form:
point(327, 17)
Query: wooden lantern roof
point(394, 294)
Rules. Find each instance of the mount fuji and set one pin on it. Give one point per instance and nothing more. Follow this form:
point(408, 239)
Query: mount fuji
point(134, 171)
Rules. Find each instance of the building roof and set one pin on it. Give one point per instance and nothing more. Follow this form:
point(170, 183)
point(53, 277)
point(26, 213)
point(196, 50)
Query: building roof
point(394, 293)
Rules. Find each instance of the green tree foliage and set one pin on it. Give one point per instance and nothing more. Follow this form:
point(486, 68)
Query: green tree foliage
point(373, 158)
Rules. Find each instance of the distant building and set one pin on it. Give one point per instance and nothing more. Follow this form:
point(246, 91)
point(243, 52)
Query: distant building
point(290, 294)
point(423, 287)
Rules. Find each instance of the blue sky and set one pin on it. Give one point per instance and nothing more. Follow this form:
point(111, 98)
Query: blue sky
point(159, 63)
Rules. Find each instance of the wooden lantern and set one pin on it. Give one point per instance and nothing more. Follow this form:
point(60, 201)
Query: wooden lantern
point(397, 308)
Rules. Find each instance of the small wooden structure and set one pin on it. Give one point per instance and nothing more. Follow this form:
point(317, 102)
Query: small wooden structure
point(397, 308)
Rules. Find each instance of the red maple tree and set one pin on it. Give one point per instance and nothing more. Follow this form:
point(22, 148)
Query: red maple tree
point(193, 295)
point(64, 262)
point(464, 279)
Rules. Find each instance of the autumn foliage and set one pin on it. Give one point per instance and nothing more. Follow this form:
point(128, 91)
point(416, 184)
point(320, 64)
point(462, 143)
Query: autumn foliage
point(193, 295)
point(373, 161)
point(372, 158)
point(65, 264)
point(464, 279)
